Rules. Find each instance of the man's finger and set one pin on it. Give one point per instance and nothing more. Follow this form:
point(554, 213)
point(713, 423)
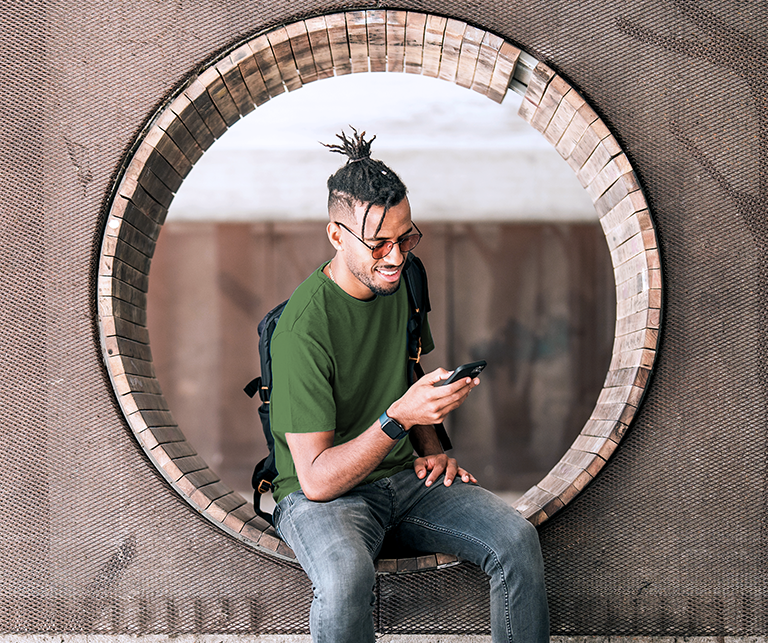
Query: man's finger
point(420, 467)
point(466, 476)
point(450, 472)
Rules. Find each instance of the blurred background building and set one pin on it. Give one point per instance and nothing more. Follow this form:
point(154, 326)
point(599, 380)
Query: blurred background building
point(520, 274)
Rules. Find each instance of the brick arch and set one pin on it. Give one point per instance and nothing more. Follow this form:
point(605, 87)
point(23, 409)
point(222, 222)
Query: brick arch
point(285, 59)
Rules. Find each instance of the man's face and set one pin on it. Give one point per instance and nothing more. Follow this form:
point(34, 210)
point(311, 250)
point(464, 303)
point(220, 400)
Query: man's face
point(376, 276)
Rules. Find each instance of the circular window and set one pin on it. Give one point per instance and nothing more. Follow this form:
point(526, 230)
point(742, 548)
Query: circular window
point(361, 41)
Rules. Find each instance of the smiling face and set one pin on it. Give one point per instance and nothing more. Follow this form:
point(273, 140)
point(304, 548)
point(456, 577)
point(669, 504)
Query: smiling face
point(354, 268)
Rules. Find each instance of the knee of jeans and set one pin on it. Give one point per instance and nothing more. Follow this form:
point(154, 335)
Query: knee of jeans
point(346, 577)
point(518, 546)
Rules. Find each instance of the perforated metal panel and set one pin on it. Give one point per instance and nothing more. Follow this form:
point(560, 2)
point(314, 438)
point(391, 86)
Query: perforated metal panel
point(670, 537)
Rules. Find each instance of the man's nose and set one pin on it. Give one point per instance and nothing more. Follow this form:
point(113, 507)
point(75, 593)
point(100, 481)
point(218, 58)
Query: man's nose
point(395, 255)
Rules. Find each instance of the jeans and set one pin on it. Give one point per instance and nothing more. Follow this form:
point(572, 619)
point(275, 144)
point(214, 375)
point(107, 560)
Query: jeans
point(336, 543)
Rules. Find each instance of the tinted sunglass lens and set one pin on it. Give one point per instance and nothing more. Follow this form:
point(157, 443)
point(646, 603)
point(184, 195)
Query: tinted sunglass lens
point(409, 243)
point(382, 250)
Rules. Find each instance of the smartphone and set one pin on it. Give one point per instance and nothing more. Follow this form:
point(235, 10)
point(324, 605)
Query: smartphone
point(465, 370)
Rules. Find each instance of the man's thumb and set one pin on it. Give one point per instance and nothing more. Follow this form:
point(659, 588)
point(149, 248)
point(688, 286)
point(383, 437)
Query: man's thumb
point(438, 375)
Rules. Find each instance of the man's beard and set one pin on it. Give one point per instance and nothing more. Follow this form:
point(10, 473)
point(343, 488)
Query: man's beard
point(367, 280)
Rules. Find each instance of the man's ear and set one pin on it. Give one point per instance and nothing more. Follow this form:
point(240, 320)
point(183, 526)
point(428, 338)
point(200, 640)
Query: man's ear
point(334, 235)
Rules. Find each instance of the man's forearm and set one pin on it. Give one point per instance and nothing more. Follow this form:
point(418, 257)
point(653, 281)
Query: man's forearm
point(326, 471)
point(424, 440)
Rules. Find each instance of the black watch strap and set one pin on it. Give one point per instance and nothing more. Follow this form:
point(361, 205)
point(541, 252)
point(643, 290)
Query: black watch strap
point(392, 427)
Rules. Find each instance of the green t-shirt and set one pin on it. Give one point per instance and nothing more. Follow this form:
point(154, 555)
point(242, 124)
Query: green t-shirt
point(337, 364)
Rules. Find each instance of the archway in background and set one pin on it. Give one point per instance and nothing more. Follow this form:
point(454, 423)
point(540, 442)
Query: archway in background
point(361, 41)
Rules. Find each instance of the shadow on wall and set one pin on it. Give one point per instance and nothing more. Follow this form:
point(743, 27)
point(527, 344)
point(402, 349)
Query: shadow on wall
point(536, 300)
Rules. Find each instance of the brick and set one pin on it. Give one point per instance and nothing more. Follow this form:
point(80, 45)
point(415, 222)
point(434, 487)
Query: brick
point(269, 540)
point(445, 559)
point(317, 31)
point(158, 152)
point(128, 383)
point(249, 70)
point(415, 31)
point(610, 429)
point(639, 339)
point(602, 447)
point(620, 395)
point(560, 120)
point(376, 27)
point(198, 95)
point(592, 166)
point(125, 365)
point(628, 359)
point(173, 126)
point(449, 62)
point(183, 108)
point(576, 129)
point(626, 184)
point(298, 38)
point(633, 376)
point(279, 41)
point(337, 37)
point(267, 64)
point(235, 84)
point(608, 175)
point(127, 311)
point(426, 562)
point(357, 36)
point(285, 550)
point(434, 36)
point(553, 95)
point(237, 518)
point(503, 70)
point(220, 96)
point(157, 418)
point(254, 528)
point(221, 507)
point(645, 319)
point(486, 61)
point(583, 149)
point(396, 21)
point(386, 565)
point(629, 205)
point(650, 298)
point(468, 56)
point(540, 79)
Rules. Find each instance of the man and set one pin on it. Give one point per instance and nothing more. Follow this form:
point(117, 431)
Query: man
point(346, 424)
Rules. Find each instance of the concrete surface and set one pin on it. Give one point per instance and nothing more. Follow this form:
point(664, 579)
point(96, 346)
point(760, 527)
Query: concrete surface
point(438, 638)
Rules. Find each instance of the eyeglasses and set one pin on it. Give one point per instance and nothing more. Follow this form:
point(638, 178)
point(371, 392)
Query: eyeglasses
point(382, 249)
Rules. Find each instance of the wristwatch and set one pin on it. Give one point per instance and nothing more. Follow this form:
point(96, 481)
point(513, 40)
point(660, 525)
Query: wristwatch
point(392, 427)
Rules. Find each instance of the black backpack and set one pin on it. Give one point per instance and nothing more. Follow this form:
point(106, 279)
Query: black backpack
point(418, 296)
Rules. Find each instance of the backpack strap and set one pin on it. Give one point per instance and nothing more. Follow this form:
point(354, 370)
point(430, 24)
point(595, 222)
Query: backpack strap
point(418, 297)
point(265, 471)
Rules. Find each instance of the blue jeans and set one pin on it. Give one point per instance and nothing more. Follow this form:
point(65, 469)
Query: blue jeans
point(336, 543)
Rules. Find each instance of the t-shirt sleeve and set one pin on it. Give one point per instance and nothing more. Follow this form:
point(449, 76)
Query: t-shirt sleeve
point(302, 393)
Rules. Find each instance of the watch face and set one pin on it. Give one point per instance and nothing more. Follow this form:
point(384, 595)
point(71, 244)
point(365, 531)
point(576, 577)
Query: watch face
point(392, 427)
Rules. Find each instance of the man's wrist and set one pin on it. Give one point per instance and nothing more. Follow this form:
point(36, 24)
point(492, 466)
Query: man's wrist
point(392, 427)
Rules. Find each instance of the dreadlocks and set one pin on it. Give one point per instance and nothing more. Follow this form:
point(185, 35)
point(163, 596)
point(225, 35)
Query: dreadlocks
point(362, 179)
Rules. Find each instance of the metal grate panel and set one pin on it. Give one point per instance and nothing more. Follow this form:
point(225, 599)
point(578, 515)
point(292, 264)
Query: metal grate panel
point(669, 539)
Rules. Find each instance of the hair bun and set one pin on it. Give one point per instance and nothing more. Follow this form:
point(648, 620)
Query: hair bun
point(355, 148)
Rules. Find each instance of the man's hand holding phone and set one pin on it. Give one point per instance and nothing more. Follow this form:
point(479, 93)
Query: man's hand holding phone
point(471, 370)
point(435, 395)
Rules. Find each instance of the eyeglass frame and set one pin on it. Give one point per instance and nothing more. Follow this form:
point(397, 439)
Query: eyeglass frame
point(373, 249)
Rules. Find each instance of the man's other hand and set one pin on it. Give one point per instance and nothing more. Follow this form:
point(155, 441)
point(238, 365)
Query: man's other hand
point(432, 466)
